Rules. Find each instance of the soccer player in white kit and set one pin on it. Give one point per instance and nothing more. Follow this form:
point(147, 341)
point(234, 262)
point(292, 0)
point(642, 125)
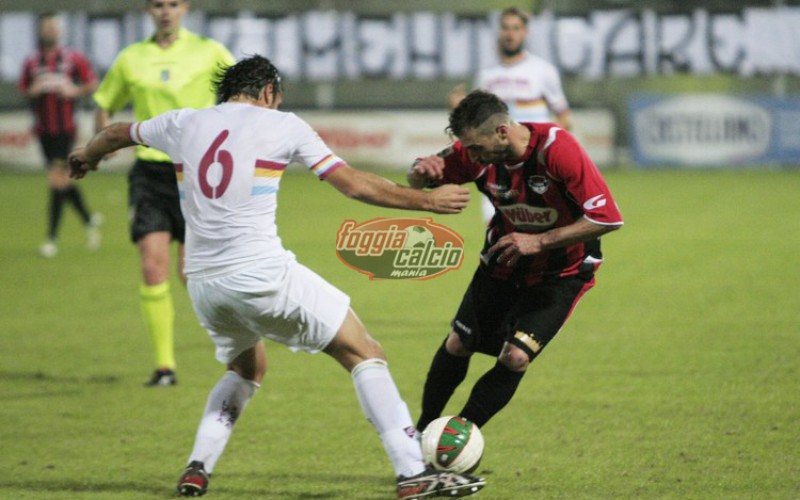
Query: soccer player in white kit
point(245, 286)
point(529, 85)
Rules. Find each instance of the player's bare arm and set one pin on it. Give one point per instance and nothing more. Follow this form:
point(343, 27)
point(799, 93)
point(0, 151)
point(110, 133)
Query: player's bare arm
point(376, 190)
point(71, 91)
point(426, 170)
point(456, 95)
point(564, 119)
point(114, 137)
point(515, 245)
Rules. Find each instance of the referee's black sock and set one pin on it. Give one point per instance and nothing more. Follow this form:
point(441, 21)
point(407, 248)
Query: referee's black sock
point(55, 209)
point(491, 393)
point(446, 372)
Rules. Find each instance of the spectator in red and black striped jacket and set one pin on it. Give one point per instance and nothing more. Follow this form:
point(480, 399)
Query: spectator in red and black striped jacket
point(53, 78)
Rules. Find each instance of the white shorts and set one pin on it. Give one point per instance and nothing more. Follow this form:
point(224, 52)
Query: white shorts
point(290, 304)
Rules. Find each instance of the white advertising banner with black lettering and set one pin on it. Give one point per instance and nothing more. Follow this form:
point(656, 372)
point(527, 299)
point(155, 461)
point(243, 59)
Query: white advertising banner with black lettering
point(714, 130)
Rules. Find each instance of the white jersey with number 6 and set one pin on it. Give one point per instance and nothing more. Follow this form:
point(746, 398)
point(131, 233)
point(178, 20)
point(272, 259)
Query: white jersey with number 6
point(229, 160)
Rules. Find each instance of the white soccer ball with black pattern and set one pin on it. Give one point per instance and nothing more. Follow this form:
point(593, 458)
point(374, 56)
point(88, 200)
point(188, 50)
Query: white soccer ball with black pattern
point(418, 237)
point(452, 444)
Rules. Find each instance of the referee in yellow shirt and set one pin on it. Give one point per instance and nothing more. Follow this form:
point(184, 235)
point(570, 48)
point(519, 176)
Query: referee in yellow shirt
point(170, 70)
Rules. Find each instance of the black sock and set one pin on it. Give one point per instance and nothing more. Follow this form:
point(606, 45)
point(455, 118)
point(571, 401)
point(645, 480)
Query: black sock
point(446, 372)
point(73, 194)
point(491, 393)
point(54, 213)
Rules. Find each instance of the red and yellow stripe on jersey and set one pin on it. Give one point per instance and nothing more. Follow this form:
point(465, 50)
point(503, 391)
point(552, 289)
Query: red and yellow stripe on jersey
point(324, 167)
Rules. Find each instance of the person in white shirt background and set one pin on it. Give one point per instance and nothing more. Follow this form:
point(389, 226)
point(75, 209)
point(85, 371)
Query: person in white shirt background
point(529, 85)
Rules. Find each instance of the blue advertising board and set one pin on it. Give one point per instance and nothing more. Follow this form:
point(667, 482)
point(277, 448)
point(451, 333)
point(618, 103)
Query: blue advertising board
point(714, 130)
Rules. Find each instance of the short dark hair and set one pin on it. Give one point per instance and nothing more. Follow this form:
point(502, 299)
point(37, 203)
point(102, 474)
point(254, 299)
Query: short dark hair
point(516, 11)
point(247, 77)
point(474, 110)
point(46, 15)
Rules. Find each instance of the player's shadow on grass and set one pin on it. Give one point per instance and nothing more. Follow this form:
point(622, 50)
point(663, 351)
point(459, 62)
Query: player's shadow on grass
point(40, 376)
point(306, 486)
point(29, 384)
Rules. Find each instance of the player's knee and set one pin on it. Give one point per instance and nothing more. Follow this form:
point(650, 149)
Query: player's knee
point(454, 346)
point(353, 344)
point(251, 364)
point(514, 358)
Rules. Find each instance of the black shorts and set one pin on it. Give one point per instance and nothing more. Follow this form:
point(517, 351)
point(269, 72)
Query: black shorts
point(154, 201)
point(495, 311)
point(56, 147)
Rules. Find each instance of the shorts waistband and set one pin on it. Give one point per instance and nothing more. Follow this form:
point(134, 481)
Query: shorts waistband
point(217, 272)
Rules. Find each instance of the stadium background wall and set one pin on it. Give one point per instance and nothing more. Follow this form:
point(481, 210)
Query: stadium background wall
point(607, 93)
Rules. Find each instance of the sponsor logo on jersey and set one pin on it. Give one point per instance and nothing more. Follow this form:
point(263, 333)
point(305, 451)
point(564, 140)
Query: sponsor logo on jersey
point(390, 248)
point(526, 217)
point(598, 201)
point(538, 183)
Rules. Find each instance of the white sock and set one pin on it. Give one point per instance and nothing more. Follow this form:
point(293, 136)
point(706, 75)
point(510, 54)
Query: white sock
point(226, 402)
point(388, 413)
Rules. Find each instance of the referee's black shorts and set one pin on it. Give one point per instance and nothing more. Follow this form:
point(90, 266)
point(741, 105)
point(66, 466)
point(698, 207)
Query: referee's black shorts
point(154, 201)
point(494, 311)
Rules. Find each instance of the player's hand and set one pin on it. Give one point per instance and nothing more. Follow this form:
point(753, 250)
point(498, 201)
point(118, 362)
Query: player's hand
point(515, 245)
point(69, 90)
point(448, 199)
point(37, 88)
point(430, 168)
point(79, 164)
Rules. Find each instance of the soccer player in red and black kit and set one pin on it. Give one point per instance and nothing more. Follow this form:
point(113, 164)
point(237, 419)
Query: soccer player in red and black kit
point(541, 252)
point(52, 79)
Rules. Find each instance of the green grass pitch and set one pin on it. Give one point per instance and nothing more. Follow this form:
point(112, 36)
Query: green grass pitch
point(678, 376)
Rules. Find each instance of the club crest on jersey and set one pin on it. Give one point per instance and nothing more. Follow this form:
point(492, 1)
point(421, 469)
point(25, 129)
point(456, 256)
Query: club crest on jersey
point(538, 183)
point(164, 75)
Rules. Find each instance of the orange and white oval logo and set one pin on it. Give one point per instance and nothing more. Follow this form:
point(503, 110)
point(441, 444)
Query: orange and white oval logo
point(390, 248)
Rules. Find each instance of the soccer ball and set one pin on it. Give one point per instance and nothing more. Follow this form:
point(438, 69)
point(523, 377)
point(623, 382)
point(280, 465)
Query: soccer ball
point(418, 236)
point(452, 444)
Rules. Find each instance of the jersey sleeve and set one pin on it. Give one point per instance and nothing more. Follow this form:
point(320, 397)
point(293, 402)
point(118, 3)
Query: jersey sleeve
point(162, 132)
point(553, 90)
point(458, 169)
point(85, 73)
point(113, 93)
point(568, 162)
point(311, 150)
point(26, 78)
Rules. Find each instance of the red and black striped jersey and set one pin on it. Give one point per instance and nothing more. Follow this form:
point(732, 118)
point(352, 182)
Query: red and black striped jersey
point(554, 184)
point(54, 113)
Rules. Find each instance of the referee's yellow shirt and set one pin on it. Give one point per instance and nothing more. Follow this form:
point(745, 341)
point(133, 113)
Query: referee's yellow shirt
point(157, 80)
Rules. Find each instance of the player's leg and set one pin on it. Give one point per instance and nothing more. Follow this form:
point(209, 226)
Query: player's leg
point(231, 308)
point(152, 188)
point(474, 329)
point(64, 143)
point(226, 403)
point(377, 393)
point(156, 303)
point(57, 183)
point(537, 316)
point(448, 369)
point(57, 194)
point(385, 409)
